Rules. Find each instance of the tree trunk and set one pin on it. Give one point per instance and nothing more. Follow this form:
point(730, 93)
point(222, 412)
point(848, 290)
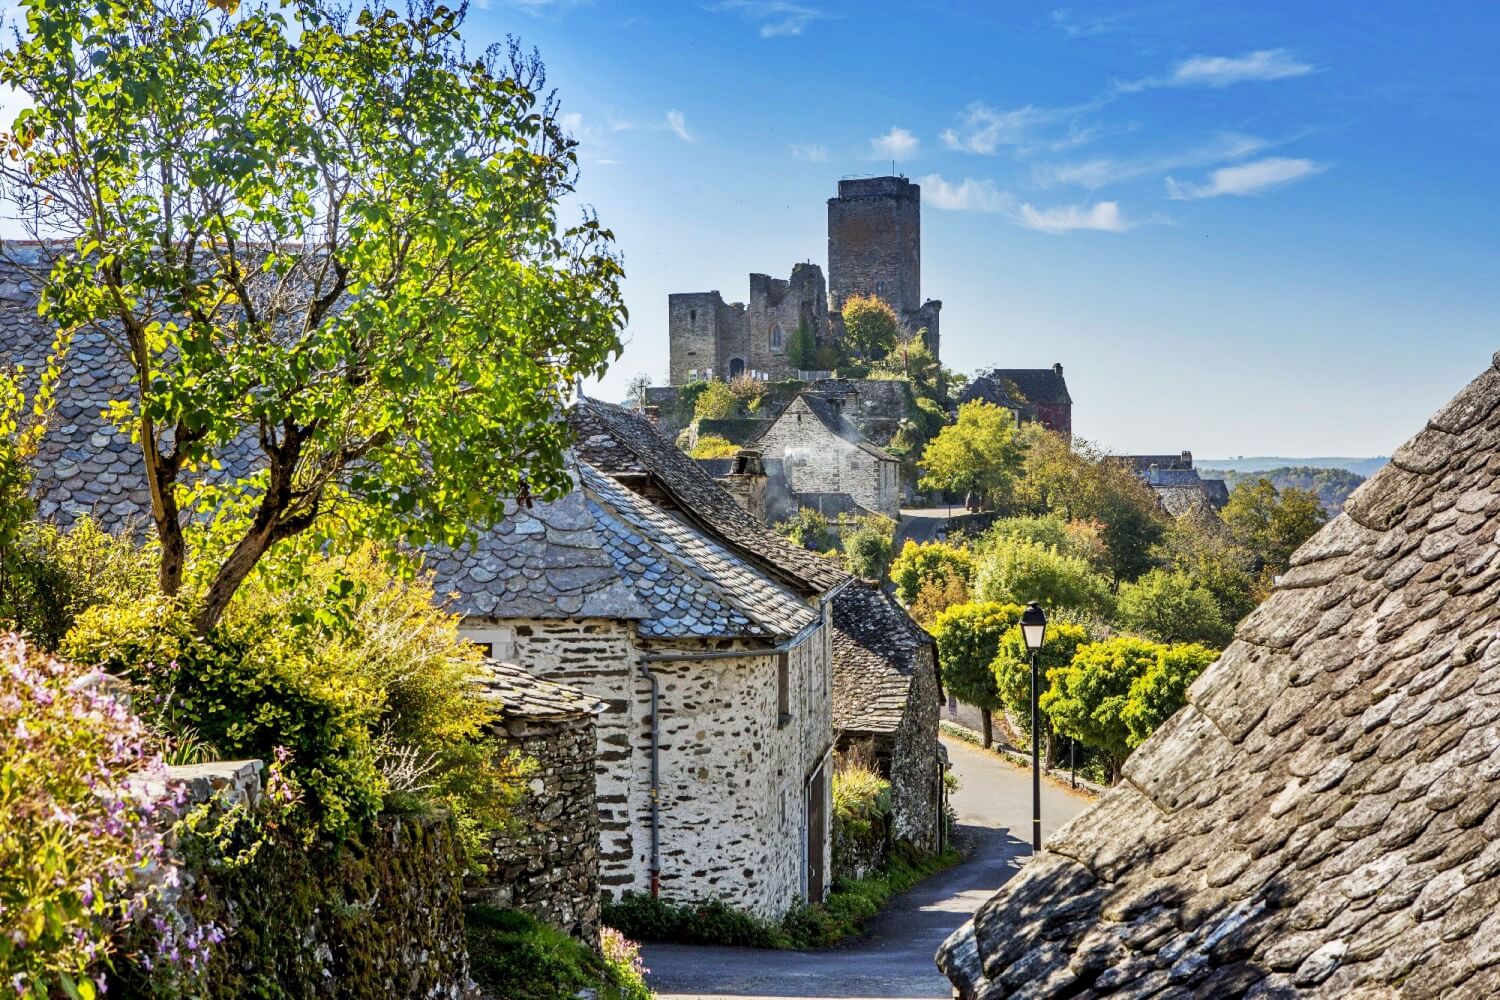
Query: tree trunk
point(232, 573)
point(989, 732)
point(1051, 743)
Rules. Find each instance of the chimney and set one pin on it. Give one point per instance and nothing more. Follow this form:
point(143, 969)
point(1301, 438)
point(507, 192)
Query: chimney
point(652, 413)
point(747, 483)
point(1057, 367)
point(1187, 460)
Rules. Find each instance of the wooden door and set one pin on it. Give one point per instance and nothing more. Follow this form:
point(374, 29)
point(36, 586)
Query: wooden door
point(817, 835)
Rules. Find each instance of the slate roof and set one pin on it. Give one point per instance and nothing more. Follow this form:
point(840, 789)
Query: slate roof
point(877, 649)
point(626, 446)
point(1179, 490)
point(1037, 385)
point(1320, 819)
point(520, 695)
point(831, 417)
point(1143, 463)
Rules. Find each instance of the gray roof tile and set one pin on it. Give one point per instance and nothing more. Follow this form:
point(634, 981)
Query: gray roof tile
point(877, 649)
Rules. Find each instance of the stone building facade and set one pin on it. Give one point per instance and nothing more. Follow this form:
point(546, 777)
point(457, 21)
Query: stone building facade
point(825, 462)
point(711, 338)
point(547, 863)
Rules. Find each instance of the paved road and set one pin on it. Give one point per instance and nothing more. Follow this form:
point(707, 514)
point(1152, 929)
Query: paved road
point(922, 524)
point(894, 958)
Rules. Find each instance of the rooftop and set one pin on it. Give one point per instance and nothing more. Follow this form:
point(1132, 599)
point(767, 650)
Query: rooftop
point(877, 648)
point(519, 695)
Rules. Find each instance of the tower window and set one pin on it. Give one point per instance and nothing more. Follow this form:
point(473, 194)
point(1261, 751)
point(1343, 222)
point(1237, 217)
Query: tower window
point(777, 337)
point(879, 288)
point(692, 317)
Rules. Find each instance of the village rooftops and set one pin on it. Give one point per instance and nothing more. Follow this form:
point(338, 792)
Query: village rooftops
point(625, 446)
point(1320, 818)
point(1036, 385)
point(520, 695)
point(876, 649)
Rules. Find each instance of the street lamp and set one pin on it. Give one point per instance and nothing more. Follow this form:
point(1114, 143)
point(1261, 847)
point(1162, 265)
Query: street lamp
point(1034, 632)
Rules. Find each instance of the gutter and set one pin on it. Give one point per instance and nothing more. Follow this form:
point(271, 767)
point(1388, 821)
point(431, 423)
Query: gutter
point(647, 659)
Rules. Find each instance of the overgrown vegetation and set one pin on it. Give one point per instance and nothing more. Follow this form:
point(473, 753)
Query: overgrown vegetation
point(864, 544)
point(512, 956)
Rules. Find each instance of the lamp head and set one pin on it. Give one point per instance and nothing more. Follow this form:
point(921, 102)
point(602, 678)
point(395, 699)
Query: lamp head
point(1034, 626)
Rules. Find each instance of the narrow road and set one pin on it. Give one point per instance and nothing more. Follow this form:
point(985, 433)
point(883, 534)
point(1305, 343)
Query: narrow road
point(922, 525)
point(894, 958)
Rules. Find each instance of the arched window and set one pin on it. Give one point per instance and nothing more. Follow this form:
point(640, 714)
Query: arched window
point(778, 339)
point(736, 367)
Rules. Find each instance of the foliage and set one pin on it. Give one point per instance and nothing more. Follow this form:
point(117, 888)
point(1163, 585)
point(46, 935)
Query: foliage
point(1162, 690)
point(809, 529)
point(333, 236)
point(715, 401)
point(78, 829)
point(968, 638)
point(867, 548)
point(713, 921)
point(938, 595)
point(802, 351)
point(1170, 606)
point(920, 563)
point(1272, 523)
point(1080, 539)
point(513, 956)
point(28, 580)
point(1017, 571)
point(714, 446)
point(1200, 545)
point(978, 453)
point(1332, 486)
point(635, 389)
point(861, 814)
point(871, 327)
point(747, 392)
point(911, 360)
point(1012, 663)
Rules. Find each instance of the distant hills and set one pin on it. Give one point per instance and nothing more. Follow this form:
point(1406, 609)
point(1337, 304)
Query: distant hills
point(1332, 485)
point(1365, 467)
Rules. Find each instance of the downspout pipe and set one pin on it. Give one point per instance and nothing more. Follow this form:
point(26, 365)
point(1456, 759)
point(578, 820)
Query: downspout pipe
point(655, 778)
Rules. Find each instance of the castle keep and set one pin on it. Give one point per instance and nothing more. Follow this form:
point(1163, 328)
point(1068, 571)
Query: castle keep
point(874, 248)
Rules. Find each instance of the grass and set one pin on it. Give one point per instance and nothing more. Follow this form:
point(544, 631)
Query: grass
point(846, 911)
point(514, 957)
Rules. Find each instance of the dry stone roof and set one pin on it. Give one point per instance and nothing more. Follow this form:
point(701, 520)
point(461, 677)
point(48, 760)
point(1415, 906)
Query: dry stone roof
point(1320, 819)
point(877, 649)
point(1036, 385)
point(519, 695)
point(626, 446)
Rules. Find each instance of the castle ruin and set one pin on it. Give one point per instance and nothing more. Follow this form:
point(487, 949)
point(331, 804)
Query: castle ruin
point(874, 248)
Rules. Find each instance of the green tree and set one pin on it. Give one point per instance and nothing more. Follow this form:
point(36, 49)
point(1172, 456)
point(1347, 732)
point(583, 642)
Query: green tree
point(1013, 571)
point(715, 402)
point(922, 562)
point(1012, 670)
point(809, 529)
point(1086, 699)
point(968, 637)
point(1162, 690)
point(978, 453)
point(867, 549)
point(802, 352)
point(871, 327)
point(1170, 606)
point(1199, 544)
point(329, 235)
point(1273, 523)
point(911, 361)
point(714, 446)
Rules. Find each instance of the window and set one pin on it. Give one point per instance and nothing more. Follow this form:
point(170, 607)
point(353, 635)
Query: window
point(879, 288)
point(783, 689)
point(692, 317)
point(495, 643)
point(777, 338)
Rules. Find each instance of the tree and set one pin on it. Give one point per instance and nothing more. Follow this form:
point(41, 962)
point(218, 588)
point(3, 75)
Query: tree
point(1012, 670)
point(1158, 693)
point(635, 391)
point(331, 238)
point(968, 637)
point(1170, 606)
point(1013, 571)
point(978, 453)
point(867, 549)
point(911, 360)
point(1273, 523)
point(802, 352)
point(809, 529)
point(871, 327)
point(1086, 699)
point(1199, 544)
point(715, 402)
point(937, 595)
point(714, 446)
point(920, 563)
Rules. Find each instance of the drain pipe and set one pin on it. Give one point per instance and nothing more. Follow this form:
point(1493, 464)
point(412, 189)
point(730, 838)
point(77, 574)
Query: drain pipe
point(655, 779)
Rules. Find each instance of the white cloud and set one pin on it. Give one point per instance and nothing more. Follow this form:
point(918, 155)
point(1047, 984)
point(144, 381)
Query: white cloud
point(1076, 25)
point(1104, 171)
point(1246, 179)
point(985, 130)
point(811, 153)
point(968, 195)
point(677, 125)
point(775, 18)
point(1102, 216)
point(1225, 71)
point(897, 144)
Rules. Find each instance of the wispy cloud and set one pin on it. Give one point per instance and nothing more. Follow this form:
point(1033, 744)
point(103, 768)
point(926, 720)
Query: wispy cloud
point(1226, 71)
point(774, 18)
point(1076, 25)
point(985, 130)
point(1246, 179)
point(968, 195)
point(1102, 172)
point(1101, 216)
point(673, 121)
point(811, 153)
point(897, 144)
point(677, 125)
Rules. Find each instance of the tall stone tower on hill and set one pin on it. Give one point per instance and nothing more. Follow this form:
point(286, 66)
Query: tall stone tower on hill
point(875, 248)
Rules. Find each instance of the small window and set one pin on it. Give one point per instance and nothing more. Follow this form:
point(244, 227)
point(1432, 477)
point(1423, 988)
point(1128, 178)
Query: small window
point(879, 288)
point(783, 689)
point(487, 648)
point(777, 337)
point(692, 316)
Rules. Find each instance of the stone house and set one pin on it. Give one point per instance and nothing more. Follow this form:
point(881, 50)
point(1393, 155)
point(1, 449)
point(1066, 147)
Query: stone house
point(548, 863)
point(1178, 486)
point(886, 700)
point(1320, 819)
point(1033, 395)
point(824, 461)
point(707, 638)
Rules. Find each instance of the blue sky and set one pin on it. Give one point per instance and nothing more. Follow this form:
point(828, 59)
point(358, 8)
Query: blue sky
point(1253, 228)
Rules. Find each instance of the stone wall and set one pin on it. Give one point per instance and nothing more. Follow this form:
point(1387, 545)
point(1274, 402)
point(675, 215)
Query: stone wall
point(916, 769)
point(548, 863)
point(816, 460)
point(705, 333)
point(785, 304)
point(875, 242)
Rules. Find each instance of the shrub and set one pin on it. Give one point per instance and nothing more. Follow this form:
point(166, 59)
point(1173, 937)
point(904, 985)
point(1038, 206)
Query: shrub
point(712, 921)
point(809, 529)
point(747, 392)
point(1170, 606)
point(1014, 571)
point(78, 830)
point(714, 446)
point(715, 402)
point(514, 956)
point(867, 548)
point(920, 563)
point(861, 814)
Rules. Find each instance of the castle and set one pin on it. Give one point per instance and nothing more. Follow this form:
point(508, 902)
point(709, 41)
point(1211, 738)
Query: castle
point(874, 248)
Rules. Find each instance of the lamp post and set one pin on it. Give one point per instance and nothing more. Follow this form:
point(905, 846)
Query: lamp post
point(1034, 632)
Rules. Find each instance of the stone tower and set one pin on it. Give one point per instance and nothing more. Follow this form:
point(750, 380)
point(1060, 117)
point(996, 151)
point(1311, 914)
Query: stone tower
point(875, 248)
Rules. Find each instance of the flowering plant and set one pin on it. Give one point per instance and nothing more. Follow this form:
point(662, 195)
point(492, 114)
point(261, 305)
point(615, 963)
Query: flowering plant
point(82, 849)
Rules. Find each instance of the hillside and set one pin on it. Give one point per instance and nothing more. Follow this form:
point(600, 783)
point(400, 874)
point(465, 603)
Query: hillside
point(1332, 486)
point(1365, 467)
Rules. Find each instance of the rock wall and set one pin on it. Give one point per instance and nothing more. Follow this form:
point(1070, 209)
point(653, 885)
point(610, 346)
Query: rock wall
point(875, 242)
point(916, 770)
point(548, 863)
point(815, 460)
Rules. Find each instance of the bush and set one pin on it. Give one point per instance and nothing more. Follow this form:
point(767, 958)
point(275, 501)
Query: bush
point(513, 956)
point(712, 921)
point(78, 830)
point(867, 549)
point(861, 816)
point(715, 402)
point(921, 563)
point(1015, 571)
point(937, 596)
point(1170, 606)
point(714, 446)
point(747, 392)
point(809, 529)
